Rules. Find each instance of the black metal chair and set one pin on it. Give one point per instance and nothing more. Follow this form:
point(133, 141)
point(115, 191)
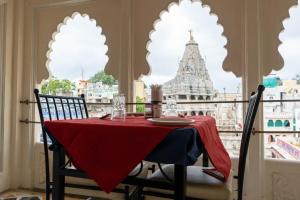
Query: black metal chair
point(199, 184)
point(61, 108)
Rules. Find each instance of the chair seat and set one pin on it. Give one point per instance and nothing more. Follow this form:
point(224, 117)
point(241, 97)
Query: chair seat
point(91, 182)
point(101, 194)
point(199, 184)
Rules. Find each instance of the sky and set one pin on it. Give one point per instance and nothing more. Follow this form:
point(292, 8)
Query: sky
point(79, 48)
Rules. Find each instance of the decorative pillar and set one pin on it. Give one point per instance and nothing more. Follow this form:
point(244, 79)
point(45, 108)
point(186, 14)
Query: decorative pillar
point(125, 69)
point(252, 76)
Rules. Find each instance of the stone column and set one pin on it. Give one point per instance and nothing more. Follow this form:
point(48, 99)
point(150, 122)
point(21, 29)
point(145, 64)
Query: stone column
point(252, 76)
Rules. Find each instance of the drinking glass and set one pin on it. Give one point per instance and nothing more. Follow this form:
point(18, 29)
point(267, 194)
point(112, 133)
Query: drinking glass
point(171, 107)
point(118, 107)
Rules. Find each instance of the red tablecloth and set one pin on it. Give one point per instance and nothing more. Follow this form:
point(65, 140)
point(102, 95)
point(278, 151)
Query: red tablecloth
point(108, 150)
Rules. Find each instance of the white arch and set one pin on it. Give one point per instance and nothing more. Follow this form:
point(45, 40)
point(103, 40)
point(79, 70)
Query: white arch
point(64, 23)
point(167, 10)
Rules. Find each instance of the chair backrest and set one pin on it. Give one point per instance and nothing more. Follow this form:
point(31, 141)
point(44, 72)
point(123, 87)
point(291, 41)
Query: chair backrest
point(60, 107)
point(57, 108)
point(247, 130)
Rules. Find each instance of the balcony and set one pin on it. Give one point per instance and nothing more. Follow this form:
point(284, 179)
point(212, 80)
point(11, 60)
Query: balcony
point(250, 31)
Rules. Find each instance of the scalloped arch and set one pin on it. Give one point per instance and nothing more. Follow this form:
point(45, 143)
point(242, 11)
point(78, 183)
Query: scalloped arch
point(232, 15)
point(279, 29)
point(64, 23)
point(272, 27)
point(167, 10)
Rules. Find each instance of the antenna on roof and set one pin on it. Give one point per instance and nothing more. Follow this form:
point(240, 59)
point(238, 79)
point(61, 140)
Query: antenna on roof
point(82, 74)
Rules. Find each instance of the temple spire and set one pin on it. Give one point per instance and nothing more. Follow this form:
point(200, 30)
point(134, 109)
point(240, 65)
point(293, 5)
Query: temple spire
point(191, 35)
point(192, 41)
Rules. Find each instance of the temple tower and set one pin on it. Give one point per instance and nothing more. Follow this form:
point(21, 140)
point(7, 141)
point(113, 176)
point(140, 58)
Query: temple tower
point(192, 81)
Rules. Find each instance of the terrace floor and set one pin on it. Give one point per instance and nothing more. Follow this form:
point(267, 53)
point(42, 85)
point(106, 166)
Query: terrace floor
point(34, 195)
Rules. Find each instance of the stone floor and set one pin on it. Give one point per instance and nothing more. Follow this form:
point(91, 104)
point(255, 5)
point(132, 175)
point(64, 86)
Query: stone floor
point(30, 195)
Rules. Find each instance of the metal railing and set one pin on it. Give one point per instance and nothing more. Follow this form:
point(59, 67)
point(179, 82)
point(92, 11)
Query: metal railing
point(27, 102)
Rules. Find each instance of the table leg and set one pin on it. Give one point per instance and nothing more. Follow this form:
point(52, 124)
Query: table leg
point(58, 179)
point(180, 182)
point(205, 158)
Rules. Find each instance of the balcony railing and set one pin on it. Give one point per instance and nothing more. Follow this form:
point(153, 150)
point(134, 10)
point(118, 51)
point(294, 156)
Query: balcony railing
point(229, 134)
point(27, 102)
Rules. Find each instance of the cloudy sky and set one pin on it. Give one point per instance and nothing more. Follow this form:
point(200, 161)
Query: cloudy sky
point(80, 47)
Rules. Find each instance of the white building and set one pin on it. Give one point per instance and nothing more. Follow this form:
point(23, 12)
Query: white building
point(282, 117)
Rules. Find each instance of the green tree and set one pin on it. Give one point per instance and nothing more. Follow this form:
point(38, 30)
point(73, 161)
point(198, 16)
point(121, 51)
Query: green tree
point(104, 78)
point(55, 86)
point(140, 108)
point(67, 85)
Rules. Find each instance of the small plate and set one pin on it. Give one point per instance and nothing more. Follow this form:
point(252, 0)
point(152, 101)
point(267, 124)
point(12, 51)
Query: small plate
point(171, 121)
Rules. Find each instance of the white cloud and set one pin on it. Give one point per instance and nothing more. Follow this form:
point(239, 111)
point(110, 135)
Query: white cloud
point(79, 45)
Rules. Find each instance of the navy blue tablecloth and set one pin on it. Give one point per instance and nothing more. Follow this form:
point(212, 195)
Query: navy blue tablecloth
point(182, 146)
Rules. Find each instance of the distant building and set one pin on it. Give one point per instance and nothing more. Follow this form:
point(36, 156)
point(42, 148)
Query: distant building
point(97, 93)
point(191, 83)
point(282, 116)
point(81, 87)
point(139, 89)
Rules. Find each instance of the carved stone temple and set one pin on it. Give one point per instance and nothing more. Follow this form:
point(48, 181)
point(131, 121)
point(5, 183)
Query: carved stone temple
point(191, 83)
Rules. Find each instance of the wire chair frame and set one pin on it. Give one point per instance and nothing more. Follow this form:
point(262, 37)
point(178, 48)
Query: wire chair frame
point(247, 131)
point(51, 108)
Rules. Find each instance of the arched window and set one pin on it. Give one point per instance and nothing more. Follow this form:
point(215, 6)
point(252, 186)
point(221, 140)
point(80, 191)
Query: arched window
point(278, 123)
point(76, 61)
point(270, 123)
point(186, 54)
point(286, 123)
point(201, 113)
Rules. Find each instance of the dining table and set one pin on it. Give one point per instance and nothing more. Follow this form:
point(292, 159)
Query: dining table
point(107, 150)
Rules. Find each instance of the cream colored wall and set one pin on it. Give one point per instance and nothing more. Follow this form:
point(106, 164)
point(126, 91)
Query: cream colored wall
point(9, 123)
point(251, 27)
point(3, 139)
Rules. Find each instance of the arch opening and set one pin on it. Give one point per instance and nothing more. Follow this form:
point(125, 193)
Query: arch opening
point(186, 54)
point(284, 85)
point(77, 57)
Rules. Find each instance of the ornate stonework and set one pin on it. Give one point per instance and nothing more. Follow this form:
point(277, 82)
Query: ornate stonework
point(192, 81)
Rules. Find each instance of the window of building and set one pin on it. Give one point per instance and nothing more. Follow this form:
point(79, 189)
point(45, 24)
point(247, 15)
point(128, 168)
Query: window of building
point(286, 123)
point(270, 123)
point(182, 97)
point(278, 123)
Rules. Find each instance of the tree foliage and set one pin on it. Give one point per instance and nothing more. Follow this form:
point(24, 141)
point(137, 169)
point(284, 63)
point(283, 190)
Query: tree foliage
point(140, 108)
point(55, 86)
point(104, 78)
